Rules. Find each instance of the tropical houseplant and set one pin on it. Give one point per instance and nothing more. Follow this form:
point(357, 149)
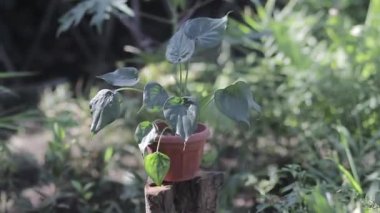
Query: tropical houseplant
point(173, 146)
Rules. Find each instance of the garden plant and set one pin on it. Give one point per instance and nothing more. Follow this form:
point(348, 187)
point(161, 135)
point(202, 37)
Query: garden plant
point(177, 113)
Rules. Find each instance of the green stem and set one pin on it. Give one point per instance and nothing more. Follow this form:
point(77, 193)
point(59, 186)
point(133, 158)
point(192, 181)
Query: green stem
point(351, 163)
point(210, 98)
point(175, 75)
point(344, 134)
point(129, 89)
point(180, 80)
point(159, 139)
point(186, 77)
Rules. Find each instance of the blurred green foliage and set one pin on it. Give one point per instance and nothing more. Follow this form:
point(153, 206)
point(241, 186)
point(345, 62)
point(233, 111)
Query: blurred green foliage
point(316, 75)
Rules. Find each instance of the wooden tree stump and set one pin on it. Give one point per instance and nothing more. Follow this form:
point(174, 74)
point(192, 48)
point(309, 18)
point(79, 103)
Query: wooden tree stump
point(198, 195)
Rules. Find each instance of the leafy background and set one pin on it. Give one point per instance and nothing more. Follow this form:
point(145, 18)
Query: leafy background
point(311, 65)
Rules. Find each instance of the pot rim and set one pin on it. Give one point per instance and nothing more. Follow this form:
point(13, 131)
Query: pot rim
point(202, 133)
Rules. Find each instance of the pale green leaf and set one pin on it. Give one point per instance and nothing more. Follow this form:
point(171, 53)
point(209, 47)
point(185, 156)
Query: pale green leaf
point(157, 166)
point(354, 183)
point(108, 154)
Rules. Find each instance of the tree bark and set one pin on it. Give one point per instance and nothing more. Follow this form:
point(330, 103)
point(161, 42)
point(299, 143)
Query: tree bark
point(198, 195)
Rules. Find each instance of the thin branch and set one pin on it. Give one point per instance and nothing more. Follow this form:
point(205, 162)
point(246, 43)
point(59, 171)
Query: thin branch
point(159, 139)
point(136, 9)
point(144, 42)
point(156, 18)
point(192, 10)
point(174, 16)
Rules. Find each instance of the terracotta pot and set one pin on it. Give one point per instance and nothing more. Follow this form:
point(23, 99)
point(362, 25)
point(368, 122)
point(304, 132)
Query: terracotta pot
point(184, 163)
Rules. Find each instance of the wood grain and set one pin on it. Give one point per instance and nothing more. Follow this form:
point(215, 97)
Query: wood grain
point(199, 195)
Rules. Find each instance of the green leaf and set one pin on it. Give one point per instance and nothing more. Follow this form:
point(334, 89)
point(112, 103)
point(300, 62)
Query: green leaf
point(235, 101)
point(16, 74)
point(207, 32)
point(180, 48)
point(100, 10)
point(88, 195)
point(244, 87)
point(318, 203)
point(74, 16)
point(209, 157)
point(142, 130)
point(88, 186)
point(108, 154)
point(145, 134)
point(373, 18)
point(77, 186)
point(157, 166)
point(105, 108)
point(154, 96)
point(181, 113)
point(122, 6)
point(214, 117)
point(59, 132)
point(123, 77)
point(344, 140)
point(100, 13)
point(353, 182)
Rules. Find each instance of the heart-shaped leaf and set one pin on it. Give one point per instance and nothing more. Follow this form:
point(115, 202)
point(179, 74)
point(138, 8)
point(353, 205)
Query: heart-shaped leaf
point(105, 108)
point(181, 113)
point(180, 48)
point(154, 96)
point(207, 32)
point(122, 77)
point(157, 166)
point(235, 101)
point(145, 134)
point(244, 87)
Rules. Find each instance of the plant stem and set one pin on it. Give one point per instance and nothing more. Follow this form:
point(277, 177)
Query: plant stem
point(180, 80)
point(209, 101)
point(344, 134)
point(159, 139)
point(129, 89)
point(351, 163)
point(156, 18)
point(186, 77)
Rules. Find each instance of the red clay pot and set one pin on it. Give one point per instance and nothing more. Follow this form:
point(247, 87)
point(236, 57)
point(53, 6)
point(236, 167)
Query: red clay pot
point(184, 163)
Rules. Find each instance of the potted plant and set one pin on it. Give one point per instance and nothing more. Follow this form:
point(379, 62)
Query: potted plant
point(173, 146)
